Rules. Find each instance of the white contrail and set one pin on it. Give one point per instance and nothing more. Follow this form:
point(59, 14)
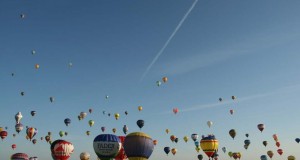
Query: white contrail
point(169, 39)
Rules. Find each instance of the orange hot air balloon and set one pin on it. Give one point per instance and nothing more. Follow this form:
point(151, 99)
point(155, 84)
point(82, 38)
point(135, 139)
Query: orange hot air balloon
point(280, 151)
point(140, 108)
point(175, 110)
point(174, 151)
point(37, 66)
point(172, 137)
point(278, 144)
point(165, 79)
point(155, 142)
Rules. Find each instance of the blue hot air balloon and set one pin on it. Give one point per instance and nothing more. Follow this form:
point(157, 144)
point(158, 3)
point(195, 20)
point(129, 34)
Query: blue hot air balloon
point(107, 146)
point(263, 157)
point(138, 146)
point(247, 142)
point(167, 150)
point(224, 149)
point(67, 121)
point(297, 140)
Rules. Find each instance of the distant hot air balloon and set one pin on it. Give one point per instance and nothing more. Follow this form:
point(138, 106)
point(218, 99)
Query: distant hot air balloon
point(117, 116)
point(220, 99)
point(167, 131)
point(61, 149)
point(155, 142)
point(291, 158)
point(247, 142)
point(230, 154)
point(84, 156)
point(175, 110)
point(275, 137)
point(194, 137)
point(261, 127)
point(158, 83)
point(172, 137)
point(140, 123)
point(233, 97)
point(126, 113)
point(33, 52)
point(70, 64)
point(47, 138)
point(107, 146)
point(91, 123)
point(200, 157)
point(102, 129)
point(176, 140)
point(209, 123)
point(174, 151)
point(22, 16)
point(22, 93)
point(121, 155)
point(67, 121)
point(19, 127)
point(167, 150)
point(165, 79)
point(198, 149)
point(61, 133)
point(106, 97)
point(263, 157)
point(34, 141)
point(19, 156)
point(280, 151)
point(247, 135)
point(90, 110)
point(138, 146)
point(31, 132)
point(14, 146)
point(209, 145)
point(125, 129)
point(232, 133)
point(37, 66)
point(51, 99)
point(83, 115)
point(231, 111)
point(297, 140)
point(33, 113)
point(185, 138)
point(270, 154)
point(88, 133)
point(265, 143)
point(140, 108)
point(114, 130)
point(14, 135)
point(18, 117)
point(224, 149)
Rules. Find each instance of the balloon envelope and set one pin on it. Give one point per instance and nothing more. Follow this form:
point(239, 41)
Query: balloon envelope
point(107, 146)
point(19, 156)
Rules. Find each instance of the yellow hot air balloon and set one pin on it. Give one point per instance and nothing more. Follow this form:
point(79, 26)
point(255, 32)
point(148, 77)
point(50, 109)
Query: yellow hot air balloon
point(140, 108)
point(91, 123)
point(114, 130)
point(1, 129)
point(209, 145)
point(117, 116)
point(185, 138)
point(167, 131)
point(198, 149)
point(291, 158)
point(37, 66)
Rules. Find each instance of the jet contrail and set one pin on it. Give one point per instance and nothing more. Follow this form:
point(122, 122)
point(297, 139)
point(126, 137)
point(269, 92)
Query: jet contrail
point(169, 39)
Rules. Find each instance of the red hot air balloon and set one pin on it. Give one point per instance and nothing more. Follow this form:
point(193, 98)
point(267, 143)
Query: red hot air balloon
point(121, 155)
point(61, 149)
point(14, 146)
point(278, 144)
point(275, 137)
point(175, 110)
point(280, 151)
point(3, 134)
point(231, 111)
point(261, 127)
point(19, 156)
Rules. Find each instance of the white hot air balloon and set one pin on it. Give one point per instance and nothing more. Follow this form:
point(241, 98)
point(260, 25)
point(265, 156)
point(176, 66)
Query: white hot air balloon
point(209, 123)
point(18, 117)
point(85, 156)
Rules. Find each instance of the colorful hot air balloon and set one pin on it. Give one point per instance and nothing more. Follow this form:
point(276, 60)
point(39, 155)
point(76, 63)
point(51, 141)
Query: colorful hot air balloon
point(138, 146)
point(18, 117)
point(61, 149)
point(232, 133)
point(125, 129)
point(261, 127)
point(121, 155)
point(270, 154)
point(19, 127)
point(280, 151)
point(155, 142)
point(67, 121)
point(140, 108)
point(175, 110)
point(47, 138)
point(102, 129)
point(85, 156)
point(19, 156)
point(83, 115)
point(172, 137)
point(174, 151)
point(31, 132)
point(106, 146)
point(165, 79)
point(194, 137)
point(140, 123)
point(117, 116)
point(209, 145)
point(167, 150)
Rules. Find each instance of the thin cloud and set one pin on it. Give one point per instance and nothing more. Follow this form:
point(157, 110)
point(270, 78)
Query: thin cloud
point(160, 52)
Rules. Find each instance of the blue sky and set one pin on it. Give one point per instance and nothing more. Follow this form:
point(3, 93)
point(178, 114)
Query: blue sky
point(249, 49)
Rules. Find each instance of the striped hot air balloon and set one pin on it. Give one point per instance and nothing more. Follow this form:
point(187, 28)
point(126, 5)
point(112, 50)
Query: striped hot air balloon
point(19, 156)
point(122, 154)
point(209, 145)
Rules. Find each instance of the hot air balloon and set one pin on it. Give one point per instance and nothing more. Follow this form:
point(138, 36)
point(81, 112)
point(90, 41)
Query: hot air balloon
point(175, 110)
point(224, 149)
point(155, 142)
point(291, 158)
point(114, 130)
point(61, 149)
point(31, 132)
point(79, 117)
point(176, 140)
point(165, 79)
point(174, 151)
point(61, 133)
point(247, 135)
point(261, 127)
point(158, 83)
point(140, 108)
point(278, 144)
point(231, 111)
point(90, 110)
point(33, 113)
point(125, 129)
point(14, 146)
point(18, 117)
point(167, 150)
point(167, 131)
point(117, 116)
point(51, 99)
point(280, 151)
point(19, 156)
point(263, 157)
point(126, 113)
point(220, 99)
point(200, 157)
point(121, 155)
point(22, 93)
point(22, 16)
point(209, 123)
point(247, 142)
point(197, 143)
point(34, 141)
point(88, 133)
point(297, 140)
point(265, 143)
point(140, 123)
point(194, 137)
point(70, 64)
point(233, 97)
point(232, 133)
point(47, 138)
point(102, 129)
point(67, 121)
point(108, 114)
point(106, 146)
point(209, 145)
point(19, 127)
point(42, 138)
point(85, 156)
point(270, 154)
point(37, 66)
point(91, 123)
point(83, 115)
point(106, 97)
point(275, 137)
point(138, 146)
point(235, 155)
point(14, 135)
point(172, 137)
point(185, 138)
point(230, 154)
